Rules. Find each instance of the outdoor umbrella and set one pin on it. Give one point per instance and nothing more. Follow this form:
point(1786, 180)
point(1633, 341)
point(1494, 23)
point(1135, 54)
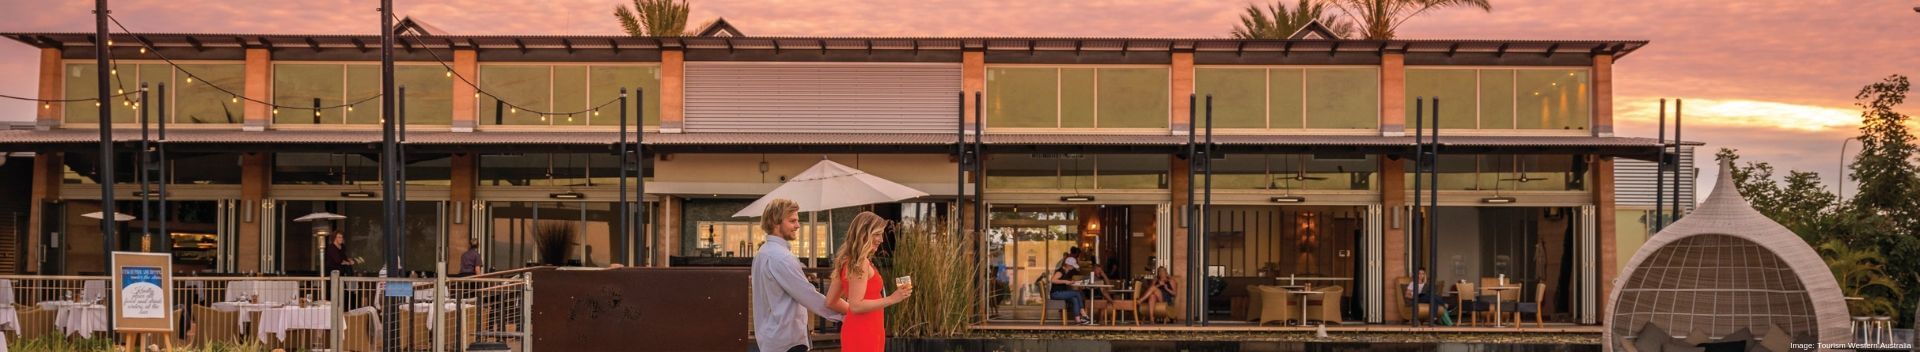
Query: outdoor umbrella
point(830, 185)
point(116, 216)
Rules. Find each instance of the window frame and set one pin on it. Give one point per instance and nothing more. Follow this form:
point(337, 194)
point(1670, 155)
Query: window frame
point(1057, 96)
point(479, 107)
point(1305, 89)
point(1478, 78)
point(173, 92)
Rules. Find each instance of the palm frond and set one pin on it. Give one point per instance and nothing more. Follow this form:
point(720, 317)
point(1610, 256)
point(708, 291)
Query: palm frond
point(658, 18)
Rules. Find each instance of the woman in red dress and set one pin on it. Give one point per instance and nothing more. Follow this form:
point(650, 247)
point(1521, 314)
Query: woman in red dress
point(865, 327)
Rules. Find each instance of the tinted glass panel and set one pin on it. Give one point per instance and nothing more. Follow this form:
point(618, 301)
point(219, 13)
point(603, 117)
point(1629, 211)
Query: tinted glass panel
point(1022, 98)
point(1239, 96)
point(1343, 98)
point(1133, 98)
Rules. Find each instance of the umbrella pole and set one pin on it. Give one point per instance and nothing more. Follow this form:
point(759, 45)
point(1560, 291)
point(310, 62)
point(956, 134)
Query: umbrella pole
point(812, 260)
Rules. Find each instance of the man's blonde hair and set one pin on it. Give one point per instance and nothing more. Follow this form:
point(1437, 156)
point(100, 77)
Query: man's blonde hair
point(776, 212)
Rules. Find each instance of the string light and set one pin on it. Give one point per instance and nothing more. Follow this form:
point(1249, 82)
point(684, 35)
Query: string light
point(189, 79)
point(516, 110)
point(46, 105)
point(236, 99)
point(449, 73)
point(143, 50)
point(276, 111)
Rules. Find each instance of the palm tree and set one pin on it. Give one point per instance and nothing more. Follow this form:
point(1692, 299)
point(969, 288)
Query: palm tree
point(1379, 18)
point(1859, 274)
point(1278, 22)
point(658, 18)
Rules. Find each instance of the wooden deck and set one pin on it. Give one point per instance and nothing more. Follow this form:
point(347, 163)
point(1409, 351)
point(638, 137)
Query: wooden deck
point(1331, 329)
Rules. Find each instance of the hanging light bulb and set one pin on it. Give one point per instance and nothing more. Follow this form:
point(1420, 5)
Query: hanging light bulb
point(143, 50)
point(449, 73)
point(236, 99)
point(109, 42)
point(569, 117)
point(46, 105)
point(596, 112)
point(349, 107)
point(120, 91)
point(189, 79)
point(515, 110)
point(276, 111)
point(113, 71)
point(543, 117)
point(96, 103)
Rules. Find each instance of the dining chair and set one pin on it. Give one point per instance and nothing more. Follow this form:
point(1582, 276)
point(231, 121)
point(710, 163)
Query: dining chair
point(1536, 307)
point(1466, 299)
point(1277, 308)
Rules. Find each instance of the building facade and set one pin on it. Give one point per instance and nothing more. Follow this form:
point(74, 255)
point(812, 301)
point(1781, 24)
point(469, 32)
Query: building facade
point(511, 145)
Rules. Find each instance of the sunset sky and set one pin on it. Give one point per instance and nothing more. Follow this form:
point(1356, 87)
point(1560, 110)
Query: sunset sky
point(1773, 78)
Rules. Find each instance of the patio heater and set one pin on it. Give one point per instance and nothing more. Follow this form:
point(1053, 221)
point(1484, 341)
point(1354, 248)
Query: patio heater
point(322, 228)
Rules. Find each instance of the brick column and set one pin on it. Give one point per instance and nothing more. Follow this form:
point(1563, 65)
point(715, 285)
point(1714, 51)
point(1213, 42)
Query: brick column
point(1393, 236)
point(52, 87)
point(465, 64)
point(1603, 200)
point(1603, 95)
point(1393, 94)
point(673, 94)
point(460, 194)
point(668, 243)
point(973, 79)
point(258, 87)
point(46, 187)
point(254, 177)
point(1182, 91)
point(1177, 263)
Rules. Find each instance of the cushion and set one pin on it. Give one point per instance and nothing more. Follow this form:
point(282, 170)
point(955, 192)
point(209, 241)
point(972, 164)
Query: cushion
point(1775, 340)
point(1651, 338)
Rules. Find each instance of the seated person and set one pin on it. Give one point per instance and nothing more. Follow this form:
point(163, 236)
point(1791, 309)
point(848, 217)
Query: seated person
point(1061, 288)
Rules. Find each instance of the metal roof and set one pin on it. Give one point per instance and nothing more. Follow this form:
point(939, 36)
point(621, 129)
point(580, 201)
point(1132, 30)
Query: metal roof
point(1633, 147)
point(363, 42)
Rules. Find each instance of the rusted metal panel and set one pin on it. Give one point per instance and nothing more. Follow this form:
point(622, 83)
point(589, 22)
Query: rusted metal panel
point(652, 309)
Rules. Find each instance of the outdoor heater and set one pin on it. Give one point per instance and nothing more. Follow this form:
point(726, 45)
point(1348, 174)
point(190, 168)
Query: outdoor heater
point(322, 228)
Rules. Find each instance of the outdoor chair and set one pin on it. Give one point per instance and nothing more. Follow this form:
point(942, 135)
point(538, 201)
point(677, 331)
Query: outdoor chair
point(1255, 302)
point(1055, 304)
point(1328, 310)
point(212, 325)
point(1536, 307)
point(1466, 300)
point(1277, 308)
point(361, 334)
point(1421, 309)
point(1116, 307)
point(35, 322)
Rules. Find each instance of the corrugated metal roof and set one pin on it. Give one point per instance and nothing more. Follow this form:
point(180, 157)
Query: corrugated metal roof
point(1144, 44)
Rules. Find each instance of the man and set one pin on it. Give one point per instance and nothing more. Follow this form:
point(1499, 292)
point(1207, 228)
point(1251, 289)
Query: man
point(336, 258)
point(470, 261)
point(1416, 291)
point(781, 293)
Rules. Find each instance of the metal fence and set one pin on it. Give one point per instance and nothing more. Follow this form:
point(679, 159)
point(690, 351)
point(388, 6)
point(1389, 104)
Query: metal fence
point(295, 313)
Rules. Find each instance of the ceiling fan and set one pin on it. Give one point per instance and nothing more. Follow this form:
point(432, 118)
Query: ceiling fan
point(1301, 173)
point(1522, 171)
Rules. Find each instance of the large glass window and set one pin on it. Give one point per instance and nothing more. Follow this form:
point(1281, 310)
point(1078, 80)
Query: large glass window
point(326, 169)
point(300, 241)
point(299, 86)
point(1077, 171)
point(1281, 98)
point(1050, 97)
point(1509, 172)
point(1498, 99)
point(194, 100)
point(586, 91)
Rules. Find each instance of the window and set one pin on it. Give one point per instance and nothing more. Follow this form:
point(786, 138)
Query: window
point(1289, 98)
point(1077, 171)
point(1050, 97)
point(194, 101)
point(300, 86)
point(1503, 99)
point(586, 91)
point(325, 169)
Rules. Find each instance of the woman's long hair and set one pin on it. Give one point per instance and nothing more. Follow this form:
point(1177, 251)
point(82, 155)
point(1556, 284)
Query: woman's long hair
point(853, 252)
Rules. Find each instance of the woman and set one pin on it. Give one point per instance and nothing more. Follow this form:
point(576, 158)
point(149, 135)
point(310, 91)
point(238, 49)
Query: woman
point(857, 285)
point(336, 258)
point(1060, 287)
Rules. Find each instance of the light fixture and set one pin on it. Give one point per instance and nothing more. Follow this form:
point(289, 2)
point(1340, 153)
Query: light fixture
point(1076, 199)
point(1289, 199)
point(358, 194)
point(1498, 200)
point(567, 195)
point(117, 216)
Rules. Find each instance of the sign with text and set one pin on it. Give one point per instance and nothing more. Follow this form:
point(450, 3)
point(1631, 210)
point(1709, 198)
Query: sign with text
point(140, 292)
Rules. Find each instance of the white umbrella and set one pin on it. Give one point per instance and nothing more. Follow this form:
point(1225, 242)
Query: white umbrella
point(830, 185)
point(319, 216)
point(117, 216)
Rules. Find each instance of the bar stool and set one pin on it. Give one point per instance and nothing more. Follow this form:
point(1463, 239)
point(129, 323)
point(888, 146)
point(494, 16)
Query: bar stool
point(1882, 329)
point(1859, 328)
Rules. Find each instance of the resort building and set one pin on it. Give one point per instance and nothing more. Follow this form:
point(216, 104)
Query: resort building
point(512, 144)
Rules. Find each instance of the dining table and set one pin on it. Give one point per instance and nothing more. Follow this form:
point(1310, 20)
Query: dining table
point(77, 318)
point(277, 321)
point(246, 310)
point(1304, 293)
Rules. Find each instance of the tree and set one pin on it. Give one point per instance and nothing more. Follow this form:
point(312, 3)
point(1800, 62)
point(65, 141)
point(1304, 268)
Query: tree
point(1379, 18)
point(1889, 184)
point(1860, 275)
point(1279, 22)
point(1802, 204)
point(658, 18)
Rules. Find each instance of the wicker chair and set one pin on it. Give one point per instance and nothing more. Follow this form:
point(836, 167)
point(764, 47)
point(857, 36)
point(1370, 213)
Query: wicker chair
point(1276, 308)
point(1329, 308)
point(361, 336)
point(1255, 302)
point(35, 322)
point(212, 325)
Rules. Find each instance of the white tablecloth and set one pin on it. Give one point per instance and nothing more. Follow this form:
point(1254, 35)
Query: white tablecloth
point(276, 322)
point(246, 310)
point(77, 319)
point(93, 290)
point(10, 320)
point(269, 291)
